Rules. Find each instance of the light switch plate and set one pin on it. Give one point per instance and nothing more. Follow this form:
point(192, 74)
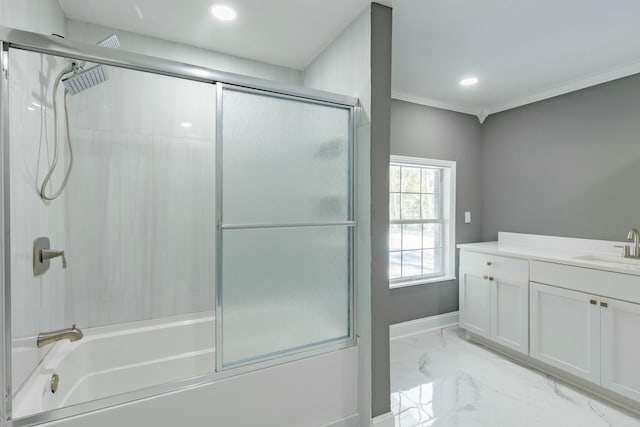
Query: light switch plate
point(467, 217)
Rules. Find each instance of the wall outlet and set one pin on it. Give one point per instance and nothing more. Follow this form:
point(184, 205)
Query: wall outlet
point(467, 217)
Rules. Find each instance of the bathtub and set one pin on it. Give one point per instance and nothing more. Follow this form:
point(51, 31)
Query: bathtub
point(116, 359)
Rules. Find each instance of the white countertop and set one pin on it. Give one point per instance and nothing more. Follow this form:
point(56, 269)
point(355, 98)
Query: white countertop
point(559, 250)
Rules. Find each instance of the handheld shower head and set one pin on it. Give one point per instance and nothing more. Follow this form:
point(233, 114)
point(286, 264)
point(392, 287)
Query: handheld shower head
point(86, 79)
point(77, 80)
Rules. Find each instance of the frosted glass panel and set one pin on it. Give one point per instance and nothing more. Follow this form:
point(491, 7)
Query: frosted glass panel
point(284, 160)
point(283, 289)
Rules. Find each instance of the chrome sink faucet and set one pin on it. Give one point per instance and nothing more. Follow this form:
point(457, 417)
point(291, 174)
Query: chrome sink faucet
point(71, 334)
point(634, 236)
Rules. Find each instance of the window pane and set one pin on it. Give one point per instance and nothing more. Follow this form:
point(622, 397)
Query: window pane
point(394, 179)
point(432, 236)
point(437, 185)
point(394, 206)
point(411, 236)
point(395, 265)
point(432, 261)
point(429, 207)
point(395, 237)
point(410, 206)
point(429, 178)
point(410, 180)
point(411, 263)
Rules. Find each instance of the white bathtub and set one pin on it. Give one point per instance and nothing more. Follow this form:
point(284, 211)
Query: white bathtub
point(116, 359)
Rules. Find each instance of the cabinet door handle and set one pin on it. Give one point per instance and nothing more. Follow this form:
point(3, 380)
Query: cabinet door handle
point(490, 278)
point(489, 263)
point(485, 277)
point(604, 304)
point(593, 302)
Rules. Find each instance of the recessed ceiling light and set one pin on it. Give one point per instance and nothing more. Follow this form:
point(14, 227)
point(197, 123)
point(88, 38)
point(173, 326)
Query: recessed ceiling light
point(186, 125)
point(470, 81)
point(35, 104)
point(223, 13)
point(31, 109)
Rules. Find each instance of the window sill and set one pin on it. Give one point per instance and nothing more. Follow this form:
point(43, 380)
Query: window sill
point(418, 282)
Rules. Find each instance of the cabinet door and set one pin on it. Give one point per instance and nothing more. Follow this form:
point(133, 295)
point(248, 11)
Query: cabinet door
point(620, 347)
point(565, 330)
point(474, 303)
point(510, 314)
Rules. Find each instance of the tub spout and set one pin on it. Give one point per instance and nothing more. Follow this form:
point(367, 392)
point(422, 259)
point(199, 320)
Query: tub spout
point(71, 334)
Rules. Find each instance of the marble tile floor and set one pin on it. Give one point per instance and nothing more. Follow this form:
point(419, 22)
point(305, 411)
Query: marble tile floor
point(440, 379)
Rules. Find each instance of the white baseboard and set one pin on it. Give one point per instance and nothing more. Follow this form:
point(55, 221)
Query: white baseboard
point(384, 420)
point(412, 327)
point(350, 421)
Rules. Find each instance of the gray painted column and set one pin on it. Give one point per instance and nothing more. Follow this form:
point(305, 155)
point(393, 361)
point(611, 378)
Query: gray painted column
point(381, 23)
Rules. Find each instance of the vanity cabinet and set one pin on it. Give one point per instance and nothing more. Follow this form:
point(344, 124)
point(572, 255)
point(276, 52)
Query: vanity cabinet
point(494, 298)
point(620, 343)
point(543, 297)
point(591, 336)
point(565, 330)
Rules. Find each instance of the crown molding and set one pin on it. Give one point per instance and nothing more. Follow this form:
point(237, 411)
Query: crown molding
point(474, 110)
point(482, 112)
point(580, 84)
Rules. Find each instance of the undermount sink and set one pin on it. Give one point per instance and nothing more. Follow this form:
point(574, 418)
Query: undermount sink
point(611, 260)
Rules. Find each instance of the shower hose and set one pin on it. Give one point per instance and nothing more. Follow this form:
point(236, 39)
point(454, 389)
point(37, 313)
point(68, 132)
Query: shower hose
point(56, 145)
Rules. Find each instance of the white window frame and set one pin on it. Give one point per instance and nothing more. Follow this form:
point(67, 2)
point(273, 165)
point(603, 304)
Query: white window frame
point(449, 220)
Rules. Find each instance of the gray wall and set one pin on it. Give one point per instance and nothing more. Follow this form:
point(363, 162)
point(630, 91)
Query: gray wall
point(567, 166)
point(428, 132)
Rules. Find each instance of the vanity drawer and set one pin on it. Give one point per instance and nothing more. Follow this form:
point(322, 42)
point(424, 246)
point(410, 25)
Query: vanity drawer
point(621, 286)
point(495, 266)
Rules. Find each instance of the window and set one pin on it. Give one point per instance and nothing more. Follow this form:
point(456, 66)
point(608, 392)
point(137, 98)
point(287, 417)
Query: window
point(422, 221)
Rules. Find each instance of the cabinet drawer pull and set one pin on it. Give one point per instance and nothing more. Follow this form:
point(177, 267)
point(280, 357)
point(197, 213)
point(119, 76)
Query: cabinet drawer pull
point(604, 304)
point(593, 302)
point(489, 263)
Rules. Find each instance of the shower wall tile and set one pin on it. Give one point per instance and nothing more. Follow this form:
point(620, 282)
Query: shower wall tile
point(140, 203)
point(109, 228)
point(183, 235)
point(37, 303)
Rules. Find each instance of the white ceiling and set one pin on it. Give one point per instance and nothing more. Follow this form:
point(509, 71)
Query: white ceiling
point(522, 51)
point(290, 33)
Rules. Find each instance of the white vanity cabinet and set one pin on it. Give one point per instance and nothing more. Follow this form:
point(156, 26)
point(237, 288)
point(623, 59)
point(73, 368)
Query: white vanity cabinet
point(494, 298)
point(579, 330)
point(620, 344)
point(565, 330)
point(572, 304)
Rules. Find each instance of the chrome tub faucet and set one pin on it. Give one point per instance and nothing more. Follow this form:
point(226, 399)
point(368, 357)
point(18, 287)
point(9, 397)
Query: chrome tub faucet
point(71, 334)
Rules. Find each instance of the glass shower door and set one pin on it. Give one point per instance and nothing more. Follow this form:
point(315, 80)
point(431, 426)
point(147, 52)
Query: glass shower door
point(285, 222)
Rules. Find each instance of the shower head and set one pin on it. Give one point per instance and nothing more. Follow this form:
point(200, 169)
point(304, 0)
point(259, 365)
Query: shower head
point(111, 41)
point(86, 79)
